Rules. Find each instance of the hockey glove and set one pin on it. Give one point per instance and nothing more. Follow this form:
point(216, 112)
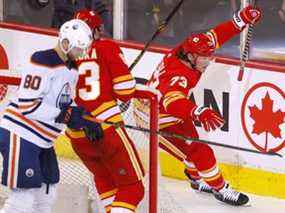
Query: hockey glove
point(248, 15)
point(209, 118)
point(72, 116)
point(93, 131)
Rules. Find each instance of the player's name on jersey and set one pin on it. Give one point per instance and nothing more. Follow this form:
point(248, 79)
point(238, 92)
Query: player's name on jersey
point(93, 55)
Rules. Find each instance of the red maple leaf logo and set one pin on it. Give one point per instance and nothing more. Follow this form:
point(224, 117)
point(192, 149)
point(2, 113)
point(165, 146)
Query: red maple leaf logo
point(267, 121)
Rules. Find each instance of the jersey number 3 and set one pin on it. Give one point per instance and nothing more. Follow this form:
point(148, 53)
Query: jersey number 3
point(90, 71)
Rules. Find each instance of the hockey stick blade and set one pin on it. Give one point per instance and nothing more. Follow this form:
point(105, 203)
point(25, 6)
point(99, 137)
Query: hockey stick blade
point(160, 28)
point(173, 135)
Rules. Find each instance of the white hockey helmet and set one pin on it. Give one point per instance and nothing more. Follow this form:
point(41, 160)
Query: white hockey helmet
point(77, 33)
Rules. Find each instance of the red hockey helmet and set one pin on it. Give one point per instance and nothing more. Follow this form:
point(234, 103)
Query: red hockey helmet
point(89, 17)
point(200, 44)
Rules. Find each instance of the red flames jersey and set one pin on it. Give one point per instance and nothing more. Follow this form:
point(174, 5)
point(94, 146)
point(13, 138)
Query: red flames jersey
point(103, 78)
point(174, 79)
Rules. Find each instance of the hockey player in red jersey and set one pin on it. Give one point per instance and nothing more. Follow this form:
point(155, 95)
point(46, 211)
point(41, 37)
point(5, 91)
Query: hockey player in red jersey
point(176, 75)
point(113, 159)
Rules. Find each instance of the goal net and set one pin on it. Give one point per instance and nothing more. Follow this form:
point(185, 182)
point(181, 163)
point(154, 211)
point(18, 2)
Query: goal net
point(77, 192)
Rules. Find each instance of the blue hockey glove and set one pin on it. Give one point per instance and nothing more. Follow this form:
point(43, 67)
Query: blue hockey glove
point(93, 131)
point(72, 116)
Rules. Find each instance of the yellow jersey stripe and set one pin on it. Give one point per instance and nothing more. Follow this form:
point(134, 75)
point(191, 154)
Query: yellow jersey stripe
point(173, 96)
point(168, 101)
point(162, 126)
point(171, 147)
point(163, 115)
point(124, 205)
point(115, 118)
point(192, 169)
point(125, 91)
point(176, 92)
point(209, 170)
point(103, 107)
point(123, 78)
point(217, 176)
point(131, 153)
point(108, 194)
point(216, 39)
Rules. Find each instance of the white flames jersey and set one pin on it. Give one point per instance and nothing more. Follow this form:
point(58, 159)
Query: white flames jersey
point(46, 85)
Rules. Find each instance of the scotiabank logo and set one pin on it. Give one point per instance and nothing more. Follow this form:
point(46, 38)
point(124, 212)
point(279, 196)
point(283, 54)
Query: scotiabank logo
point(3, 65)
point(263, 117)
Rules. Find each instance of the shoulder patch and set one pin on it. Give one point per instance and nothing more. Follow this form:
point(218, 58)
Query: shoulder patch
point(48, 58)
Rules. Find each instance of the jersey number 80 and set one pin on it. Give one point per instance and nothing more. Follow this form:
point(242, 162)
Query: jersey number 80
point(32, 82)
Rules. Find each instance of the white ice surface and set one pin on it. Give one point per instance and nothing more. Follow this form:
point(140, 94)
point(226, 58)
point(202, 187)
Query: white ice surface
point(195, 202)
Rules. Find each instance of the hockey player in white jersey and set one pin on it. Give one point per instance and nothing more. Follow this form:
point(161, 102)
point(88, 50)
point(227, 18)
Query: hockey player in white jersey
point(33, 120)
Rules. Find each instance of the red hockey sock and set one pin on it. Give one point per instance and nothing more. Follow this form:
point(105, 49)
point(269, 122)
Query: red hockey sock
point(191, 171)
point(204, 160)
point(213, 178)
point(129, 196)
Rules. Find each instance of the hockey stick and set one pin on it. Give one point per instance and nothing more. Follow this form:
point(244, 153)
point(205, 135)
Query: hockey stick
point(245, 54)
point(15, 80)
point(174, 135)
point(160, 28)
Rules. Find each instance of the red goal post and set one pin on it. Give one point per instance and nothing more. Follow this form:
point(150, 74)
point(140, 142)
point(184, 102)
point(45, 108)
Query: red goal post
point(143, 93)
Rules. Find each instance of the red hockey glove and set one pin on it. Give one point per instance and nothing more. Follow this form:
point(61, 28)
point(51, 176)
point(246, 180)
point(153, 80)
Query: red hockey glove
point(209, 118)
point(248, 15)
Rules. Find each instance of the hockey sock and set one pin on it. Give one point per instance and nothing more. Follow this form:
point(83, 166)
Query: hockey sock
point(128, 197)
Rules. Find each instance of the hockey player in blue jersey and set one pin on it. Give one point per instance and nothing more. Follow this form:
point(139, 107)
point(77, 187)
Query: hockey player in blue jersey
point(33, 120)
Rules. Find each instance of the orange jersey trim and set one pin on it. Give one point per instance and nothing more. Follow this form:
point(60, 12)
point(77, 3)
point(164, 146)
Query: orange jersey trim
point(21, 117)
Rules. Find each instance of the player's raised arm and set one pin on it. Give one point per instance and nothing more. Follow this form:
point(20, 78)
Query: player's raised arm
point(225, 31)
point(178, 73)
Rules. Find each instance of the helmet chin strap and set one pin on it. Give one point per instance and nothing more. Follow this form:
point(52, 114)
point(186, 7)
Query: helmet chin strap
point(62, 48)
point(183, 56)
point(191, 61)
point(70, 63)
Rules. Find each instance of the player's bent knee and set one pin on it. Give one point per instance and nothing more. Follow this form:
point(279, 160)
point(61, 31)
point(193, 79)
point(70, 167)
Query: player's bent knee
point(138, 190)
point(128, 197)
point(20, 201)
point(203, 157)
point(202, 151)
